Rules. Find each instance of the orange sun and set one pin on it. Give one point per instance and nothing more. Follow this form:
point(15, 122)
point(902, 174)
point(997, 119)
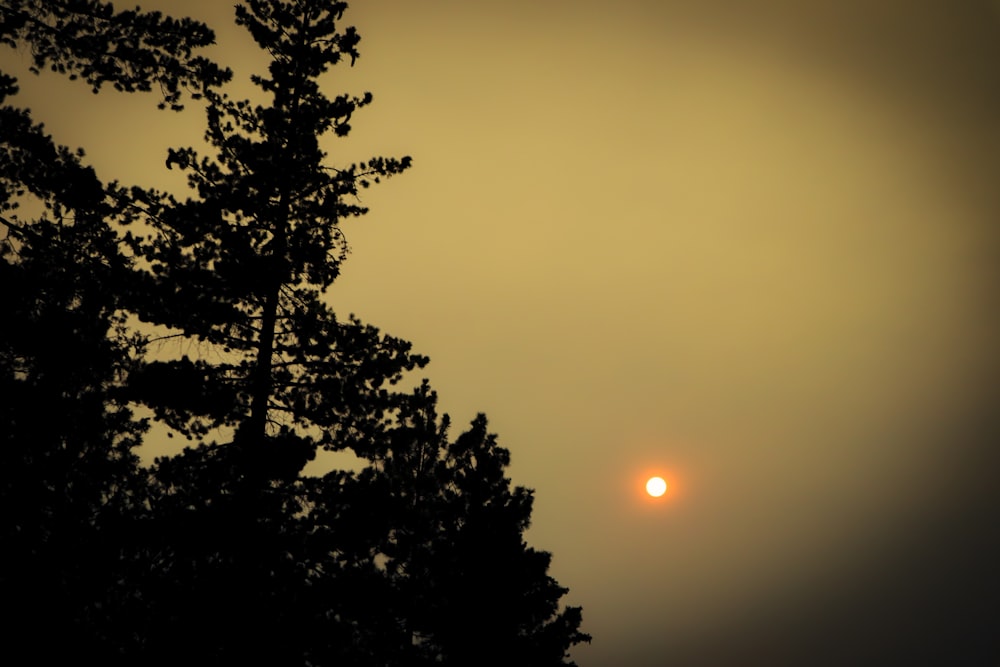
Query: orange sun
point(656, 486)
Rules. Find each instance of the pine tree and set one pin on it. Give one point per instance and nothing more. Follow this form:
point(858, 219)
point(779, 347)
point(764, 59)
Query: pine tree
point(69, 477)
point(240, 268)
point(472, 590)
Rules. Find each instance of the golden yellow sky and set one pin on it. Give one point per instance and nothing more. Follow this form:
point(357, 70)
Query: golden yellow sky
point(752, 245)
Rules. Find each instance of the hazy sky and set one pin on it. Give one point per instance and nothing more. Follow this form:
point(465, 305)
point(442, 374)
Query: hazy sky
point(749, 245)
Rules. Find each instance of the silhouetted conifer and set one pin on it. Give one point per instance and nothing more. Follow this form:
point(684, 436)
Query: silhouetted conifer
point(69, 479)
point(226, 551)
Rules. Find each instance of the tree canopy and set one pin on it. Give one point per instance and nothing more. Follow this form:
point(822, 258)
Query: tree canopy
point(227, 550)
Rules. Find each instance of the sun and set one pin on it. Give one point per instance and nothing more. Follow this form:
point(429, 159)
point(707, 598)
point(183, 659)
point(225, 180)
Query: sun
point(656, 486)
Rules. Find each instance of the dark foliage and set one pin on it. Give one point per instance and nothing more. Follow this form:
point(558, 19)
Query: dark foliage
point(69, 476)
point(227, 551)
point(132, 50)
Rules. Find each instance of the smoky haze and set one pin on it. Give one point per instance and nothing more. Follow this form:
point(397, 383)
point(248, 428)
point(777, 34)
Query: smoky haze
point(753, 244)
